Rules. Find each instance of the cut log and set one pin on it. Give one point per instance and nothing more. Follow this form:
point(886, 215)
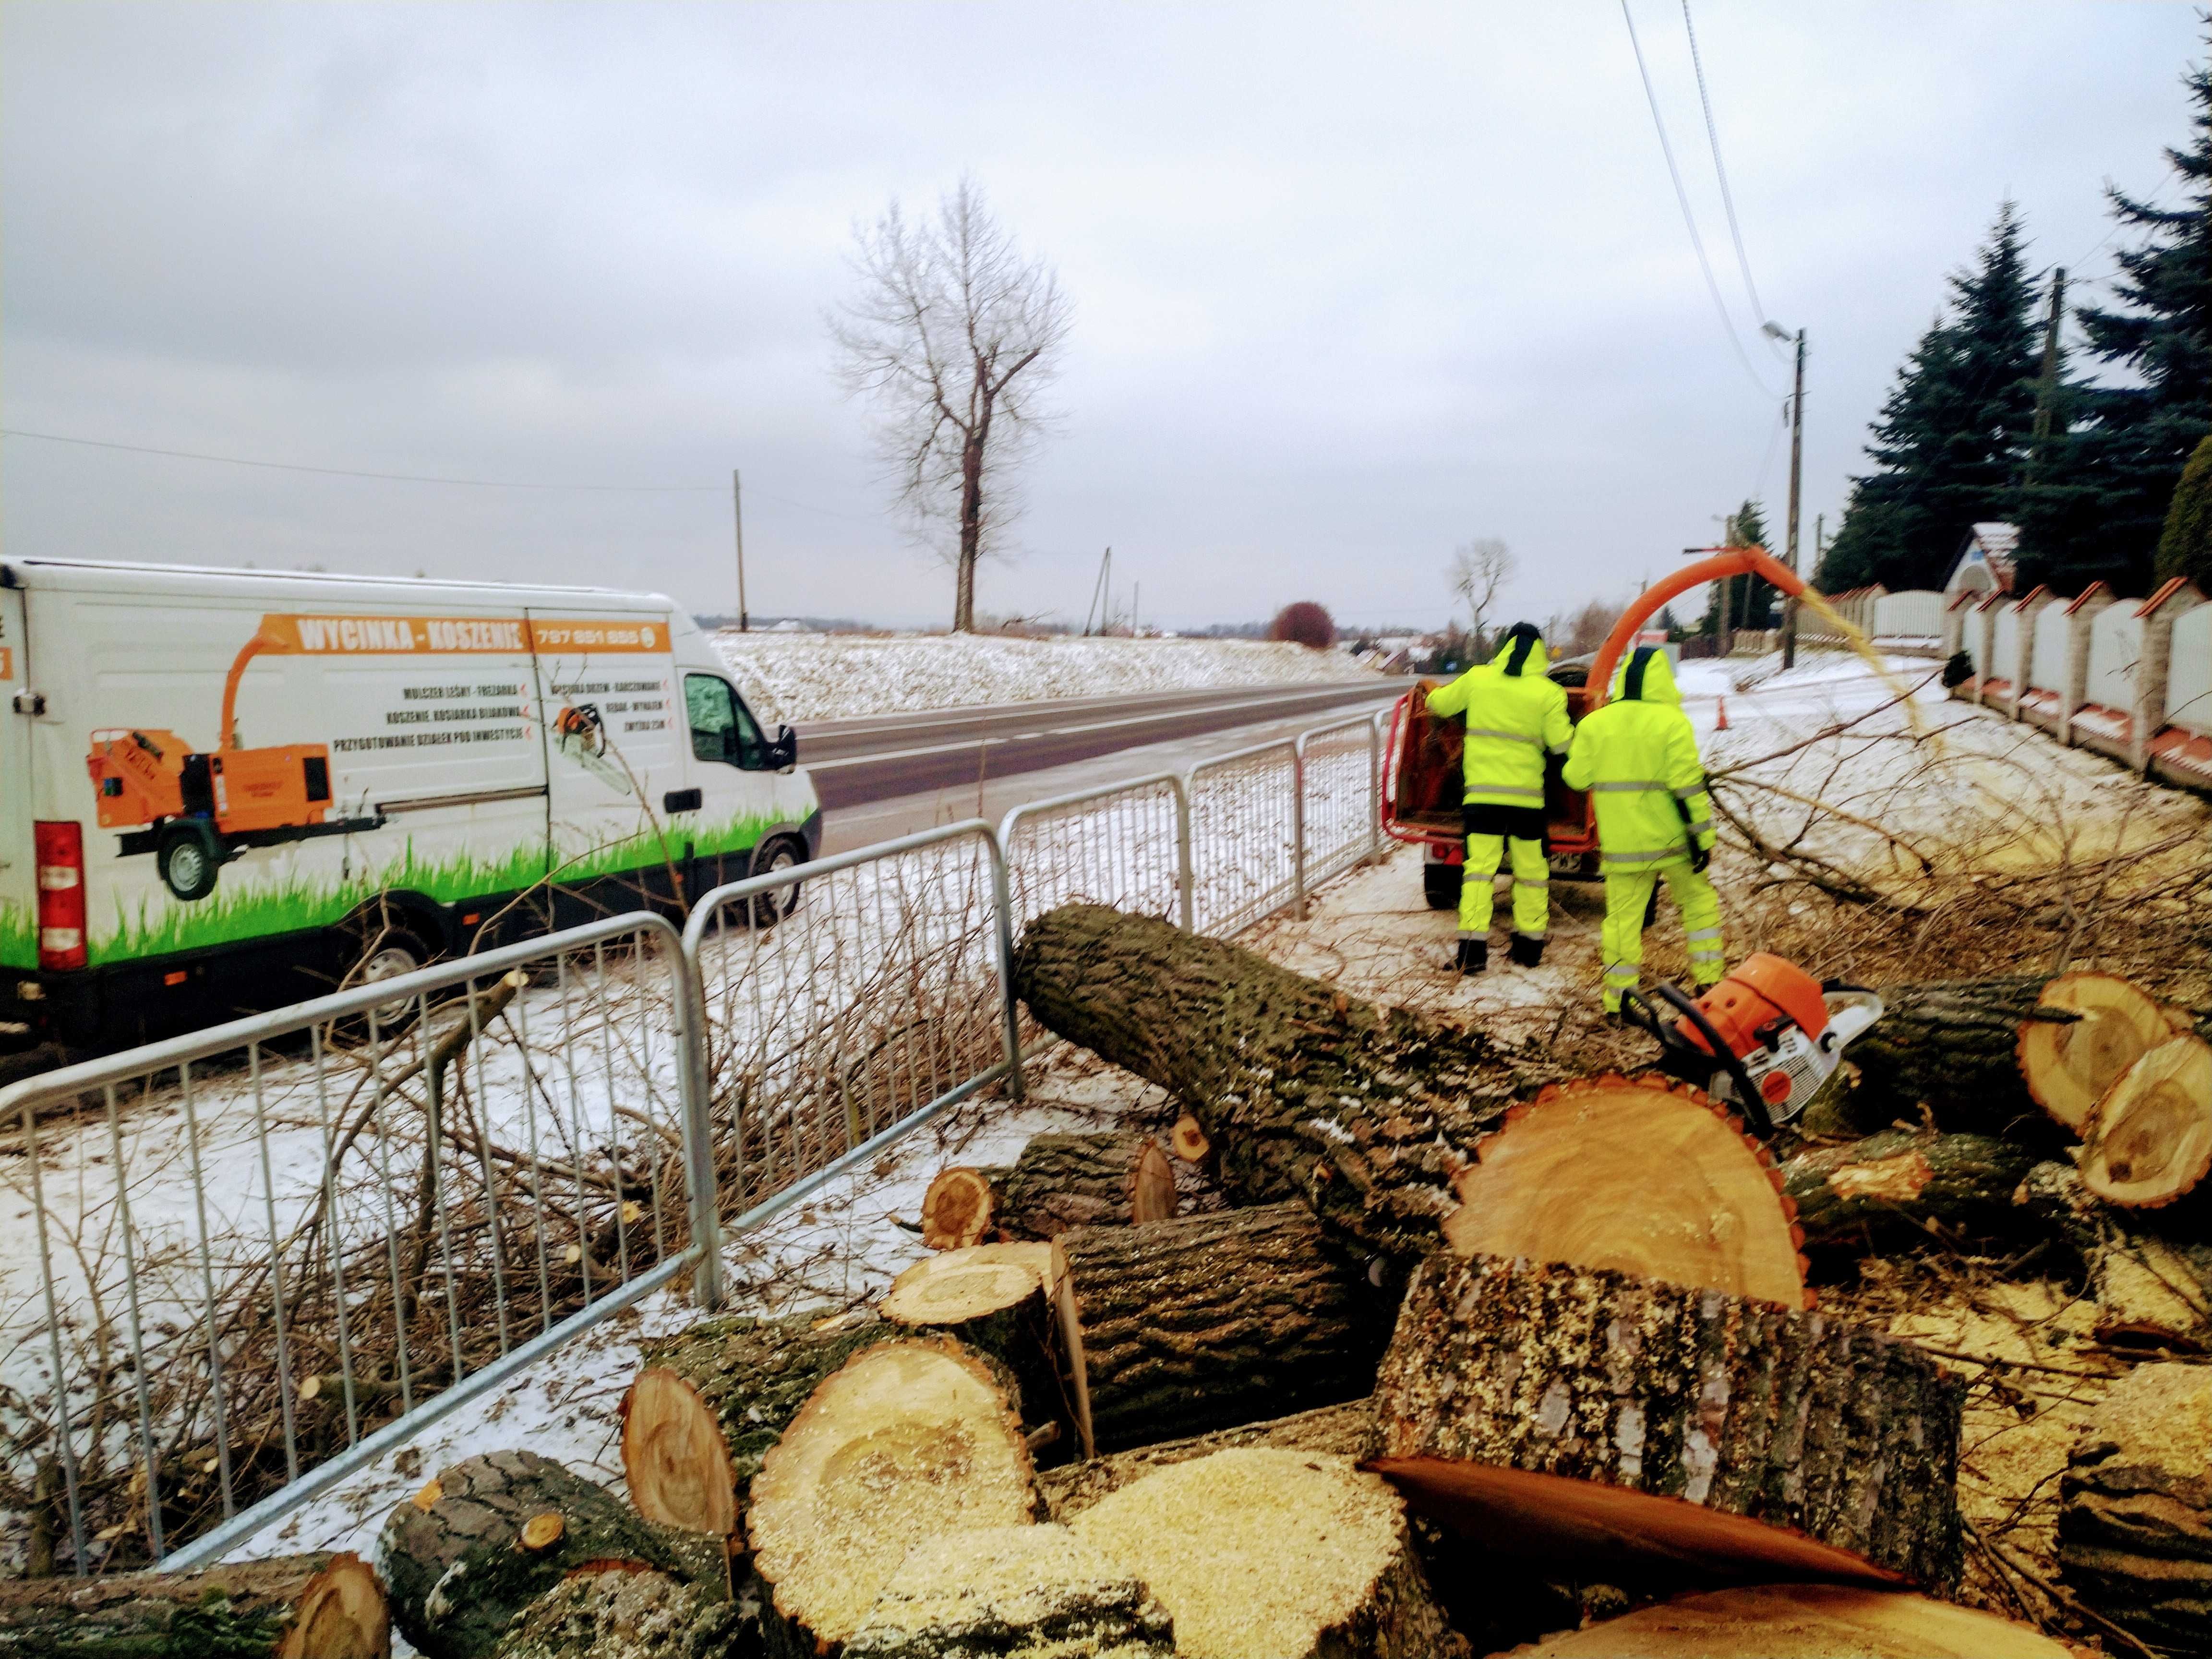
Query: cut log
point(1035, 1591)
point(1013, 1302)
point(1573, 1414)
point(1063, 1181)
point(959, 1209)
point(2134, 1519)
point(464, 1565)
point(1903, 1187)
point(2149, 1140)
point(1265, 1553)
point(1641, 1175)
point(1187, 1141)
point(1344, 1430)
point(708, 1403)
point(626, 1613)
point(289, 1607)
point(1953, 1046)
point(2068, 1066)
point(909, 1440)
point(1802, 1621)
point(1207, 1322)
point(2149, 1289)
point(1362, 1112)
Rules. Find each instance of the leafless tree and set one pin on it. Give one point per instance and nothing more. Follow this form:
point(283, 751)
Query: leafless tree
point(1479, 569)
point(953, 334)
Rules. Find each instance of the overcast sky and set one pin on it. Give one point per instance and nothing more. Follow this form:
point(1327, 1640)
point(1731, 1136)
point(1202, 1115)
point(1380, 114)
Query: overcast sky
point(1352, 284)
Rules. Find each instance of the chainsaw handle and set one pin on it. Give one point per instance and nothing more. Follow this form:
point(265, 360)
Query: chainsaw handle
point(1753, 1103)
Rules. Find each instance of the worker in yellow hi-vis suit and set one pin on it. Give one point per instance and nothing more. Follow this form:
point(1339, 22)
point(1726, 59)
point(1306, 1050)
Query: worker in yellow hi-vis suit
point(1515, 716)
point(1638, 758)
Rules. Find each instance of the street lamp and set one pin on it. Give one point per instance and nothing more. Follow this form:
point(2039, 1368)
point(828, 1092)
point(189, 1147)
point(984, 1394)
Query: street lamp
point(1774, 331)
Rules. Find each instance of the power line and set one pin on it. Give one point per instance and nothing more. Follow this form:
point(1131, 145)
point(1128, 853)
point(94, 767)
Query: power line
point(349, 472)
point(1689, 218)
point(1728, 197)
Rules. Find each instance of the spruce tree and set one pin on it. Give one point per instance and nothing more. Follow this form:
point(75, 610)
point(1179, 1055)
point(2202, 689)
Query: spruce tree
point(1952, 438)
point(1746, 528)
point(2185, 547)
point(2098, 507)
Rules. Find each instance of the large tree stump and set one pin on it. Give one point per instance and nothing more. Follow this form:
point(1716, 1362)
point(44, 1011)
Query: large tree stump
point(1639, 1174)
point(1575, 1414)
point(1058, 1181)
point(709, 1401)
point(1802, 1621)
point(1266, 1553)
point(627, 1613)
point(1362, 1112)
point(1343, 1430)
point(289, 1607)
point(2135, 1522)
point(1208, 1321)
point(1903, 1187)
point(909, 1440)
point(492, 1533)
point(1013, 1591)
point(2148, 1141)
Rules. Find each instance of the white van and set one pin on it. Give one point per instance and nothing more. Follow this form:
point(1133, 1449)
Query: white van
point(225, 790)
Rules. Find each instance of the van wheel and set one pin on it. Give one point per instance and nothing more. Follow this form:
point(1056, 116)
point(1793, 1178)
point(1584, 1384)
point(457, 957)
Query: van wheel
point(189, 859)
point(774, 858)
point(1440, 885)
point(396, 953)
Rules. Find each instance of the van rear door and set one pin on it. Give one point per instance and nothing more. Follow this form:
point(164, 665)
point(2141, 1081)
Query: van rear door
point(19, 898)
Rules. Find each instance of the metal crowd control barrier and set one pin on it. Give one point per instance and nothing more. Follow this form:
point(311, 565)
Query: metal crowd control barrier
point(331, 1225)
point(328, 1225)
point(820, 1042)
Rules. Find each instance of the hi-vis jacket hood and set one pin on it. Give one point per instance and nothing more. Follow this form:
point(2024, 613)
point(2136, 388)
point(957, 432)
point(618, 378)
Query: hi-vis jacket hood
point(1638, 758)
point(1515, 716)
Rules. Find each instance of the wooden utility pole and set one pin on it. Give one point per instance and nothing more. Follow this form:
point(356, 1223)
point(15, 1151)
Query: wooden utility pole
point(737, 507)
point(2046, 383)
point(1796, 469)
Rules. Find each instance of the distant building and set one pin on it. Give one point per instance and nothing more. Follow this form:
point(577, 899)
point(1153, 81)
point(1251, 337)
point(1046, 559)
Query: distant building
point(1986, 563)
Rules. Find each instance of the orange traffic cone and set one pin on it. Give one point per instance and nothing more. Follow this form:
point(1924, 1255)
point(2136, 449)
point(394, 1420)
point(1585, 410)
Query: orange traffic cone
point(1721, 725)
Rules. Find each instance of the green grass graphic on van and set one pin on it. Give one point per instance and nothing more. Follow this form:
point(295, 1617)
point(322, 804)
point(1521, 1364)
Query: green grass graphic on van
point(19, 936)
point(157, 924)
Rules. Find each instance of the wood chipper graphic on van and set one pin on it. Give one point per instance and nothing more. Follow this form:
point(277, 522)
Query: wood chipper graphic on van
point(195, 811)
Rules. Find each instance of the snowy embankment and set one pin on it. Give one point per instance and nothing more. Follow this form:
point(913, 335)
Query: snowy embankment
point(827, 677)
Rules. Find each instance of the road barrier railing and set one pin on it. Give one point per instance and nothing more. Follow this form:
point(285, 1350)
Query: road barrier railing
point(267, 1254)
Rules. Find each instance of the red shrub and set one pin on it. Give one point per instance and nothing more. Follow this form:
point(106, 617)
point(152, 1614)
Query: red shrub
point(1304, 623)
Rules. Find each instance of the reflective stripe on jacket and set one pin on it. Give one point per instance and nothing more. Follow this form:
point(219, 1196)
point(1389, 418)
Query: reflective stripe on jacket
point(1515, 716)
point(1638, 758)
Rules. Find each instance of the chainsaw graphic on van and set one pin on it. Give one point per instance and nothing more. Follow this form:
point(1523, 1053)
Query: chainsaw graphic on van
point(195, 811)
point(581, 733)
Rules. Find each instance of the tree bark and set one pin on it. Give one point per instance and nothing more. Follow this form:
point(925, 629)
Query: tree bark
point(1954, 1046)
point(1329, 1542)
point(1903, 1188)
point(492, 1533)
point(1558, 1413)
point(1210, 1321)
point(2135, 1522)
point(709, 1401)
point(289, 1607)
point(2150, 1289)
point(1803, 1621)
point(1063, 1181)
point(1009, 1590)
point(629, 1613)
point(1344, 1430)
point(1365, 1114)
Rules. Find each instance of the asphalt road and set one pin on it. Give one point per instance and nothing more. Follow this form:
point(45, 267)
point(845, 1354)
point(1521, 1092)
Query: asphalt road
point(855, 762)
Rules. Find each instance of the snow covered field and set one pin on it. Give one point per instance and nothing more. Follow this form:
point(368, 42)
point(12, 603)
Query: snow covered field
point(826, 677)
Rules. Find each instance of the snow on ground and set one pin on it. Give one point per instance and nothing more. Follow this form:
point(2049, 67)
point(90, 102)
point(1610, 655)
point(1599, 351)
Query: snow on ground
point(825, 676)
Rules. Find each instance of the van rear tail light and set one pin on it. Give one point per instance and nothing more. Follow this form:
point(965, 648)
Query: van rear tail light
point(61, 894)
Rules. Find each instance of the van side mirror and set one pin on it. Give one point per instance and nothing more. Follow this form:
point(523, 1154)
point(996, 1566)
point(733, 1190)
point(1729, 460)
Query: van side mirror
point(784, 751)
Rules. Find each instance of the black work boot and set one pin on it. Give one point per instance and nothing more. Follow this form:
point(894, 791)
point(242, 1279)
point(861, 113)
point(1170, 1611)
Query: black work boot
point(1474, 955)
point(1525, 951)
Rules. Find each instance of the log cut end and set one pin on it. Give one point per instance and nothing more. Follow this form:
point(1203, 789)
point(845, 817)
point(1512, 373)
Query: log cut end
point(956, 1209)
point(1187, 1141)
point(1802, 1621)
point(2134, 1521)
point(2150, 1139)
point(909, 1440)
point(1264, 1553)
point(1030, 1591)
point(1151, 1185)
point(2067, 1064)
point(1557, 1414)
point(957, 1286)
point(291, 1606)
point(1641, 1175)
point(340, 1614)
point(675, 1455)
point(621, 1613)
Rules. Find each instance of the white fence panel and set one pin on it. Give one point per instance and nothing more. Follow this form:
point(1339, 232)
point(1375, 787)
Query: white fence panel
point(2047, 672)
point(2115, 645)
point(1911, 616)
point(2004, 645)
point(2189, 672)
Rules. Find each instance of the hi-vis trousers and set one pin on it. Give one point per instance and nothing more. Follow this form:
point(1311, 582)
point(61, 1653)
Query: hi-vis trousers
point(1628, 894)
point(1532, 892)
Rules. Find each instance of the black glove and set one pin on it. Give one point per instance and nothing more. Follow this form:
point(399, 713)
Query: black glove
point(1699, 858)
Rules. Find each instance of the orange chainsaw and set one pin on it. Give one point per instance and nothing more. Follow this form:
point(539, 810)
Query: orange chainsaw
point(1764, 1040)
